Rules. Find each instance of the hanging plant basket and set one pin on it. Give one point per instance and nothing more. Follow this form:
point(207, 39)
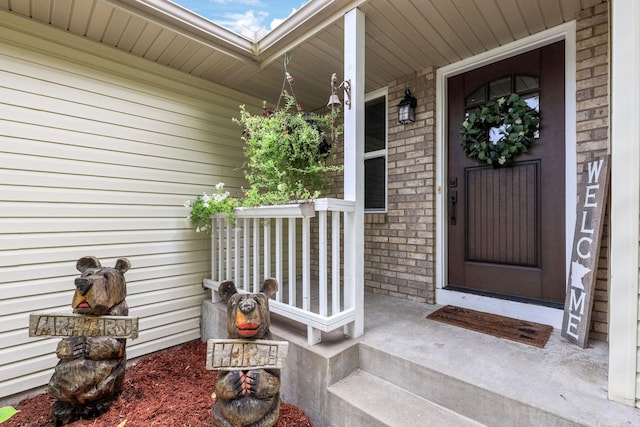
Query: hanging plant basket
point(500, 130)
point(286, 153)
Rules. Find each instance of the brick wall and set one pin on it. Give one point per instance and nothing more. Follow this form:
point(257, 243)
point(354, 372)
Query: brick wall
point(592, 126)
point(400, 245)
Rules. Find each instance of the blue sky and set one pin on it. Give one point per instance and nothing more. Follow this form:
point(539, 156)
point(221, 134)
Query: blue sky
point(243, 15)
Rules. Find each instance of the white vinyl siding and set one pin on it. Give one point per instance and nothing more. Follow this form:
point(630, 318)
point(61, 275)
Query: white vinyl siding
point(99, 150)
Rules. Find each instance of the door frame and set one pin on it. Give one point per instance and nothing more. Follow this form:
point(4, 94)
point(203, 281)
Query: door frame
point(535, 313)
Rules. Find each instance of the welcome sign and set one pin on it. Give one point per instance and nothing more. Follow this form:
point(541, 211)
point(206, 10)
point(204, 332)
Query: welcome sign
point(592, 193)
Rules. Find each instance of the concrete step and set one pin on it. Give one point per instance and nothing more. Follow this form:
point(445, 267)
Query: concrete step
point(467, 399)
point(363, 399)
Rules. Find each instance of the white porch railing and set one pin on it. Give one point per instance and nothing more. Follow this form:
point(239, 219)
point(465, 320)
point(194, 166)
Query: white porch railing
point(304, 257)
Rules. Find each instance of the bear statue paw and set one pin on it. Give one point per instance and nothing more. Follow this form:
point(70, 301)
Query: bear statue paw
point(248, 382)
point(95, 409)
point(79, 347)
point(243, 382)
point(63, 413)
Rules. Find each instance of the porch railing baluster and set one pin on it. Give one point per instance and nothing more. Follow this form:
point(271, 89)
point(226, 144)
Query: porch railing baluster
point(246, 279)
point(214, 249)
point(322, 262)
point(256, 254)
point(292, 283)
point(222, 249)
point(229, 258)
point(335, 262)
point(266, 256)
point(236, 255)
point(306, 264)
point(279, 259)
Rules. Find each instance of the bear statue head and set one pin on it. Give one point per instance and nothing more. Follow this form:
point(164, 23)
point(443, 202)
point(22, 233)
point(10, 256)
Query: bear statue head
point(248, 314)
point(100, 289)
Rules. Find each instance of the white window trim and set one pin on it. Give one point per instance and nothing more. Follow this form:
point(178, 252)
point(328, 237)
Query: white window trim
point(379, 93)
point(546, 315)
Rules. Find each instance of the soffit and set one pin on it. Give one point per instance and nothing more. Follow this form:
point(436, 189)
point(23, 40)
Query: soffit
point(402, 37)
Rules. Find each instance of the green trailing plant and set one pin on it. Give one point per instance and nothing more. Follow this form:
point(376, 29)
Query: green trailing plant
point(204, 206)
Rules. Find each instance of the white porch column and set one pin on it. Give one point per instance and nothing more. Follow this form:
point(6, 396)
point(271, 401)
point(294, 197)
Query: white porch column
point(625, 196)
point(354, 168)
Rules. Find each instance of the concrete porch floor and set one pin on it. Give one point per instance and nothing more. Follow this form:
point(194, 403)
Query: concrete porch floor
point(405, 363)
point(560, 378)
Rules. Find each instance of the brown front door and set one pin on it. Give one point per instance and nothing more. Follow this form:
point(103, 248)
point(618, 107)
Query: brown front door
point(506, 226)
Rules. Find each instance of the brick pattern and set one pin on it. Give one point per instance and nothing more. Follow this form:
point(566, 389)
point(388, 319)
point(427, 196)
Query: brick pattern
point(400, 245)
point(592, 129)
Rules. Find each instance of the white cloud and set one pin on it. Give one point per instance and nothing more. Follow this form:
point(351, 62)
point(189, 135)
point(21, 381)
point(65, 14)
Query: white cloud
point(241, 22)
point(247, 17)
point(277, 21)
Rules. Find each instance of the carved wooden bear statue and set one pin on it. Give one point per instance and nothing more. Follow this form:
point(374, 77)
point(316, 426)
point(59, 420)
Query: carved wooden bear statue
point(90, 373)
point(248, 398)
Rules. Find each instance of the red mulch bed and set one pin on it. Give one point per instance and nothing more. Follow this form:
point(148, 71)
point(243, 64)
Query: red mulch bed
point(167, 388)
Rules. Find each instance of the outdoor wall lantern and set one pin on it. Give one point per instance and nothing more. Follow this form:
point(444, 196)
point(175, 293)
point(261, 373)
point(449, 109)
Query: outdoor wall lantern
point(407, 109)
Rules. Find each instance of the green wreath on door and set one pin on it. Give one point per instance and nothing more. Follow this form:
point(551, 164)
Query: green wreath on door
point(512, 124)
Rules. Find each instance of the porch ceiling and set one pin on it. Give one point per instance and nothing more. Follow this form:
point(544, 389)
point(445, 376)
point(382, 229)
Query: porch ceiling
point(402, 36)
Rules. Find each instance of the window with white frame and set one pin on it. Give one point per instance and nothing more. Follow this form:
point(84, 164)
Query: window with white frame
point(375, 151)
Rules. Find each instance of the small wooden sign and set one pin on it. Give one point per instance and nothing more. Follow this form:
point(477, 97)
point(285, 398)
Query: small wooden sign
point(234, 354)
point(592, 196)
point(80, 325)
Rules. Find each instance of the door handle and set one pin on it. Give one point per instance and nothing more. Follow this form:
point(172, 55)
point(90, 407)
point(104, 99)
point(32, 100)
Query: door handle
point(453, 200)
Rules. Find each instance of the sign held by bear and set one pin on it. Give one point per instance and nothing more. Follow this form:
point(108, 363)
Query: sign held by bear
point(229, 355)
point(80, 325)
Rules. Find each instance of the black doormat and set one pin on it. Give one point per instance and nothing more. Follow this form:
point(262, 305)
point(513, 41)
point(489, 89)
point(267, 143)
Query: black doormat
point(531, 333)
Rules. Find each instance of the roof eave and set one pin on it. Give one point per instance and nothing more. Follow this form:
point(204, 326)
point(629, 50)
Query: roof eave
point(191, 24)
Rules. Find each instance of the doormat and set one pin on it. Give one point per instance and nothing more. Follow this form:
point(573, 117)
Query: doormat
point(531, 333)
